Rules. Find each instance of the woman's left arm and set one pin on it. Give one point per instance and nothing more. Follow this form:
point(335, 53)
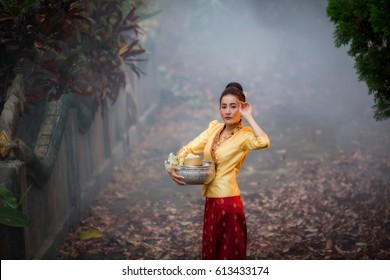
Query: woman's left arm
point(246, 113)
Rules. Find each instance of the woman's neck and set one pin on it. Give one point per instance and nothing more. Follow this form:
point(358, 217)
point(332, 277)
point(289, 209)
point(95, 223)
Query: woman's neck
point(231, 127)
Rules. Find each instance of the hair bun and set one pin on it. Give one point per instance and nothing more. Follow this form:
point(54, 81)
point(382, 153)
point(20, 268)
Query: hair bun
point(235, 85)
point(234, 89)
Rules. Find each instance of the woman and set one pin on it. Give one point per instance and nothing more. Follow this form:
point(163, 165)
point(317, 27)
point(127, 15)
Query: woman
point(227, 145)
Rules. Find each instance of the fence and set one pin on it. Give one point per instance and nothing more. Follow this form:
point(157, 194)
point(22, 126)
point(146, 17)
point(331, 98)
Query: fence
point(83, 166)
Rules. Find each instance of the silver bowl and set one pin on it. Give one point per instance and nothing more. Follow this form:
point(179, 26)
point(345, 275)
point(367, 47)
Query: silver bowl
point(198, 175)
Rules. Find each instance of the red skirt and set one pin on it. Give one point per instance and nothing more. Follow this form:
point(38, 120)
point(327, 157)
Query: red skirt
point(224, 229)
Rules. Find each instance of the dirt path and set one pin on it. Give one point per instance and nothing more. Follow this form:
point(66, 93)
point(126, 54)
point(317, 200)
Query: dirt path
point(320, 192)
point(298, 208)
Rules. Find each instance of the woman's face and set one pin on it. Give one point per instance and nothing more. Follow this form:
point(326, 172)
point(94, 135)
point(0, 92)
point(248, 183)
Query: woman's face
point(230, 109)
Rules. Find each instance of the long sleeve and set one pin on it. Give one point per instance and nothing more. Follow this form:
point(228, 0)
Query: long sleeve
point(197, 145)
point(255, 142)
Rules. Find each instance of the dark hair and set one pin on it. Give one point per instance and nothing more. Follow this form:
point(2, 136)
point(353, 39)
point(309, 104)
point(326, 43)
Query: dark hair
point(233, 89)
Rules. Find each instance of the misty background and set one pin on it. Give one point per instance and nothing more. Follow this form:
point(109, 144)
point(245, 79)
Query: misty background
point(305, 91)
point(323, 182)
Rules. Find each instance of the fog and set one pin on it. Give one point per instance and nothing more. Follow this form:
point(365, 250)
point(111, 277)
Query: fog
point(283, 54)
point(323, 181)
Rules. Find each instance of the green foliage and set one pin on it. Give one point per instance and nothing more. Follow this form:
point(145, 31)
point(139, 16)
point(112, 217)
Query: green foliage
point(69, 46)
point(55, 76)
point(364, 25)
point(9, 214)
point(17, 7)
point(111, 42)
point(12, 17)
point(32, 32)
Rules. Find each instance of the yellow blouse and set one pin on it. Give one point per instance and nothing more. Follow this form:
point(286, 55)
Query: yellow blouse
point(228, 156)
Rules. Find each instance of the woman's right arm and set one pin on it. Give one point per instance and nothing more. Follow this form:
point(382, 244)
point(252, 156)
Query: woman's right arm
point(196, 147)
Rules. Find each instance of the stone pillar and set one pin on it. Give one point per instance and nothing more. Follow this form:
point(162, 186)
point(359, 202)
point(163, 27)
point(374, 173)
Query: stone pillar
point(12, 241)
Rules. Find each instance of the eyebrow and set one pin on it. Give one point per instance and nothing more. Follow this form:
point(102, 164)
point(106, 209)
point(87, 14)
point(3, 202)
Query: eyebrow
point(233, 103)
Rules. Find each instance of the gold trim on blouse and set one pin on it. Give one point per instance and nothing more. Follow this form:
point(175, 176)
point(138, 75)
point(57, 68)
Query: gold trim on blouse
point(218, 141)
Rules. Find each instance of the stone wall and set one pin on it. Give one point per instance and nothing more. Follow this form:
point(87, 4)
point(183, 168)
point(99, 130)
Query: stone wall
point(83, 166)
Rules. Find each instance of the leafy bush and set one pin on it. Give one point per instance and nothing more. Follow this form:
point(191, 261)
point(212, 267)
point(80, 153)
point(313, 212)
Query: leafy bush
point(364, 25)
point(9, 214)
point(68, 46)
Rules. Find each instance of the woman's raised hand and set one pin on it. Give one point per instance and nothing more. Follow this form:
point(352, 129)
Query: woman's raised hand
point(245, 109)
